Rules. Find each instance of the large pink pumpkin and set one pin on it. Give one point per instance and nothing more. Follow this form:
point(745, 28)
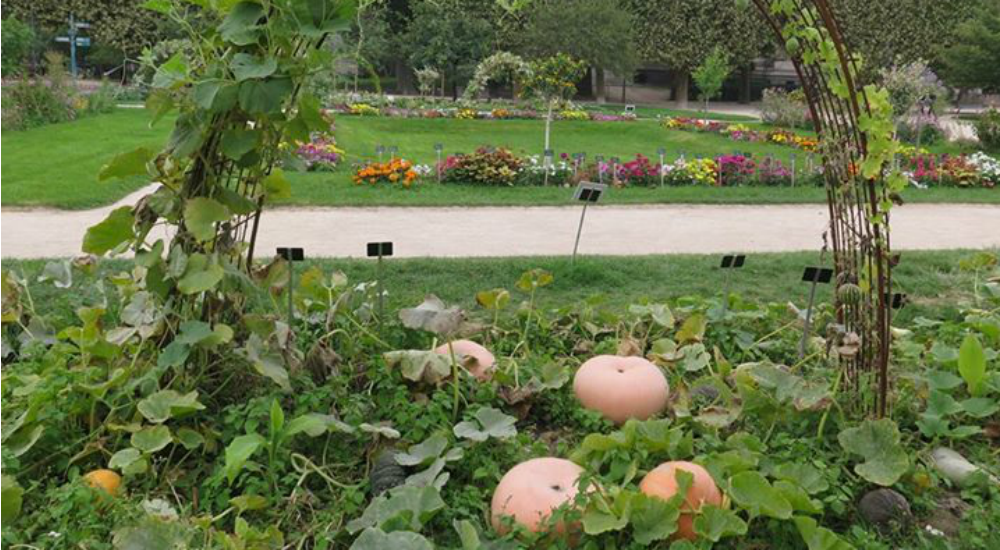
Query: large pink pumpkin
point(482, 367)
point(530, 491)
point(621, 388)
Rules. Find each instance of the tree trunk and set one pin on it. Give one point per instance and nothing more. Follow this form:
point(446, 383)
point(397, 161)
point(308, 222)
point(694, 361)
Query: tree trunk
point(404, 79)
point(624, 90)
point(681, 81)
point(745, 84)
point(600, 89)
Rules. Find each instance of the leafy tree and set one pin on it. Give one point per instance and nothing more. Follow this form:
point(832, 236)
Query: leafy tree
point(890, 32)
point(681, 34)
point(973, 60)
point(710, 75)
point(18, 39)
point(598, 32)
point(124, 24)
point(452, 40)
point(553, 81)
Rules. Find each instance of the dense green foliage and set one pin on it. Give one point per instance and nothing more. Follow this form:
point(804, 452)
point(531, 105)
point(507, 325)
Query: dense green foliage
point(443, 36)
point(888, 32)
point(18, 41)
point(125, 24)
point(224, 458)
point(598, 32)
point(970, 61)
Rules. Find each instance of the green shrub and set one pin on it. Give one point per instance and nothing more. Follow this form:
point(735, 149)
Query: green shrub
point(18, 39)
point(36, 102)
point(924, 134)
point(784, 109)
point(988, 130)
point(102, 100)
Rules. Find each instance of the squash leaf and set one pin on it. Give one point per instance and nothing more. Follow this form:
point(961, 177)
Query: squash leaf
point(877, 441)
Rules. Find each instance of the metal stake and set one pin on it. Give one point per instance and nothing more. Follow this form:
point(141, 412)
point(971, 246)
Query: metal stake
point(579, 230)
point(808, 324)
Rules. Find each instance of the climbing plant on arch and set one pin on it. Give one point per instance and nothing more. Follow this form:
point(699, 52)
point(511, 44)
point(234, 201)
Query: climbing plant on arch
point(857, 144)
point(238, 101)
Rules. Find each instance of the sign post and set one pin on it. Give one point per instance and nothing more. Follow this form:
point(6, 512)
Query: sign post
point(74, 42)
point(291, 255)
point(599, 159)
point(393, 150)
point(380, 150)
point(380, 250)
point(588, 193)
point(438, 148)
point(729, 263)
point(663, 159)
point(814, 276)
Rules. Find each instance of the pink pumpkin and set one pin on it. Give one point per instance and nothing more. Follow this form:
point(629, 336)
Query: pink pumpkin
point(621, 388)
point(477, 359)
point(661, 482)
point(530, 491)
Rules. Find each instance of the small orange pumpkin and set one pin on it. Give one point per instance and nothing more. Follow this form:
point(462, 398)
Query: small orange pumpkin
point(530, 491)
point(477, 359)
point(621, 388)
point(662, 483)
point(104, 480)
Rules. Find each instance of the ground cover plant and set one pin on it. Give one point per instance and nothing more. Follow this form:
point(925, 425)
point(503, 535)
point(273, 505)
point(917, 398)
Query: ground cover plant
point(226, 440)
point(55, 165)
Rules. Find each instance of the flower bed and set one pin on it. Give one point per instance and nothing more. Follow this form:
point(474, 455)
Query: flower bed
point(395, 172)
point(742, 132)
point(469, 113)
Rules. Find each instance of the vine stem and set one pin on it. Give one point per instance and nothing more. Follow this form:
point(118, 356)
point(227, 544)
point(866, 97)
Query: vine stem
point(826, 414)
point(454, 380)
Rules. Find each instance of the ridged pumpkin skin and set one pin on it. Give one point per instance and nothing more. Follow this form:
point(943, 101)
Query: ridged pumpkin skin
point(105, 480)
point(530, 491)
point(662, 483)
point(483, 369)
point(621, 388)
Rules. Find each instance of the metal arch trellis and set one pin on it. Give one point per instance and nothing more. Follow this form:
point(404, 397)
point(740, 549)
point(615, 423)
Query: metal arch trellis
point(859, 229)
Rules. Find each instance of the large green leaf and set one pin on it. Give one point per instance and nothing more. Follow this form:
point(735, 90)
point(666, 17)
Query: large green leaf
point(113, 231)
point(714, 523)
point(877, 441)
point(489, 423)
point(239, 451)
point(166, 404)
point(420, 365)
point(186, 137)
point(751, 491)
point(237, 142)
point(376, 539)
point(407, 507)
point(200, 275)
point(201, 214)
point(653, 518)
point(264, 96)
point(132, 163)
point(819, 538)
point(972, 365)
point(246, 66)
point(240, 25)
point(151, 438)
point(10, 499)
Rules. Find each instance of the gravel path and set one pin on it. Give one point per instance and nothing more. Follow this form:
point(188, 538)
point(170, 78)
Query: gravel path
point(540, 231)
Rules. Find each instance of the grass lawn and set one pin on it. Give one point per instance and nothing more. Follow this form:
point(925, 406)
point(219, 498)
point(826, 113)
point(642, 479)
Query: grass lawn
point(931, 279)
point(57, 165)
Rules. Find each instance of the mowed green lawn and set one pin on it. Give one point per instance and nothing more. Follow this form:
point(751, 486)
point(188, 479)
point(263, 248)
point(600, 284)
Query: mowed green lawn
point(57, 165)
point(934, 284)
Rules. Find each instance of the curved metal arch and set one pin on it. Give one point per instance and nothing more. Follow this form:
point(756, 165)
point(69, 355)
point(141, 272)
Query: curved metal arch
point(860, 246)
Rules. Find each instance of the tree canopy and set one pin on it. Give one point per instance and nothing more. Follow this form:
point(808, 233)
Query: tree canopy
point(443, 36)
point(598, 32)
point(973, 59)
point(123, 24)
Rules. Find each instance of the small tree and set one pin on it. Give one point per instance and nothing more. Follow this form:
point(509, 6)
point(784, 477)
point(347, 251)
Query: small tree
point(553, 81)
point(427, 78)
point(710, 75)
point(18, 40)
point(972, 60)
